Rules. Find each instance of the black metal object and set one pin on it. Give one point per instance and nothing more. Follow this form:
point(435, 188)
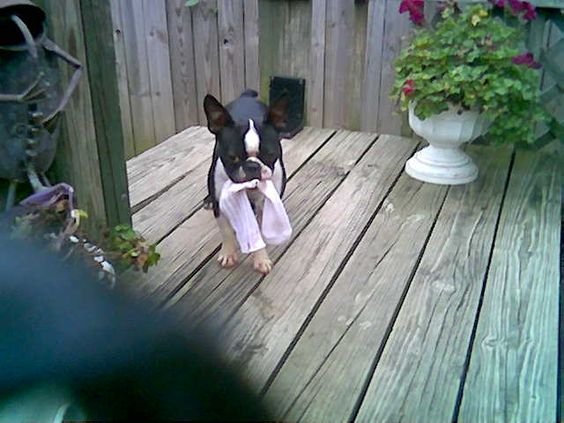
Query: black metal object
point(295, 89)
point(31, 98)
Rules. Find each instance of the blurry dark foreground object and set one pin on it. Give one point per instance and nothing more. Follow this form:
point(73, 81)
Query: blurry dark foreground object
point(64, 339)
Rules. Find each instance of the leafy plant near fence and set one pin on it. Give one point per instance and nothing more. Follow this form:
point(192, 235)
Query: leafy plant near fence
point(49, 218)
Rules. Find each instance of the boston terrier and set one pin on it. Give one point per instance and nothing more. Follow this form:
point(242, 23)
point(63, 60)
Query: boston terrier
point(247, 147)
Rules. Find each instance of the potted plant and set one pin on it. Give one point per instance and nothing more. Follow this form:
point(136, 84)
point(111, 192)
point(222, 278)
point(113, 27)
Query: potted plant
point(465, 76)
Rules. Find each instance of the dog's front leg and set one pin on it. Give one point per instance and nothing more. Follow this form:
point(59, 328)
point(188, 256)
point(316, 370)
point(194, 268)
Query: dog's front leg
point(261, 261)
point(228, 256)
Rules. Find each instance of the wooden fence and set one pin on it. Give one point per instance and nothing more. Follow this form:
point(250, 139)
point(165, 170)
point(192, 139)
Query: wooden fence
point(170, 55)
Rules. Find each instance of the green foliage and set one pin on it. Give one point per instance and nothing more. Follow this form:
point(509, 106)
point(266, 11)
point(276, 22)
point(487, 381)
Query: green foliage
point(190, 3)
point(126, 248)
point(466, 59)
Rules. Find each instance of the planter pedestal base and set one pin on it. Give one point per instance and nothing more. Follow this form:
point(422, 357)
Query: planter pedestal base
point(444, 166)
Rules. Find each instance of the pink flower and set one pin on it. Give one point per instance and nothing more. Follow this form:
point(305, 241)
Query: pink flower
point(516, 5)
point(408, 87)
point(530, 12)
point(526, 59)
point(415, 9)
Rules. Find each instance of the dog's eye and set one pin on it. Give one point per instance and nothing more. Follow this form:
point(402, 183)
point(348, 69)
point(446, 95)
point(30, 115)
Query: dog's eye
point(234, 158)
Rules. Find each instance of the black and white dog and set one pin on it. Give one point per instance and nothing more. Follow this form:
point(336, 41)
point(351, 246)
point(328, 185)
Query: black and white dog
point(247, 134)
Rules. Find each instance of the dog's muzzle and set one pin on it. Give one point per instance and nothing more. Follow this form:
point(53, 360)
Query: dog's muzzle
point(255, 169)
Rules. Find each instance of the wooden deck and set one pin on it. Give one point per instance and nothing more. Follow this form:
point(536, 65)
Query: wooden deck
point(394, 301)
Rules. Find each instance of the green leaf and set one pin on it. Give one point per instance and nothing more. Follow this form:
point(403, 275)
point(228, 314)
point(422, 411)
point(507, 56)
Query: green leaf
point(190, 3)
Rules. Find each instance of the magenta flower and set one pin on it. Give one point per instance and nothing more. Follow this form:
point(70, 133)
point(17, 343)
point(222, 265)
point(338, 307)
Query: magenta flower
point(517, 6)
point(530, 12)
point(526, 59)
point(408, 87)
point(415, 9)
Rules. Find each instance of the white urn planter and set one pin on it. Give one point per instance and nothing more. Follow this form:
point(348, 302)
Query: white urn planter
point(443, 162)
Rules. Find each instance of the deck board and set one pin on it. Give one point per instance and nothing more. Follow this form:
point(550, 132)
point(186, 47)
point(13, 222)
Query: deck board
point(514, 366)
point(263, 328)
point(325, 373)
point(162, 166)
point(394, 300)
point(419, 374)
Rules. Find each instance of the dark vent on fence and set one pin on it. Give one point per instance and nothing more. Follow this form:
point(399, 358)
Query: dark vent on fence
point(295, 89)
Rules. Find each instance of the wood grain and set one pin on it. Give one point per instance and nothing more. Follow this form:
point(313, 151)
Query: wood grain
point(419, 373)
point(273, 17)
point(251, 31)
point(316, 90)
point(158, 56)
point(231, 48)
point(77, 161)
point(103, 79)
point(325, 373)
point(212, 294)
point(355, 75)
point(123, 89)
point(182, 66)
point(396, 27)
point(206, 52)
point(138, 75)
point(338, 59)
point(160, 167)
point(513, 370)
point(261, 330)
point(189, 247)
point(285, 37)
point(370, 98)
point(174, 205)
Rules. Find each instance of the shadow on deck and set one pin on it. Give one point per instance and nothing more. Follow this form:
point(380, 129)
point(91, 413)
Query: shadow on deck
point(395, 300)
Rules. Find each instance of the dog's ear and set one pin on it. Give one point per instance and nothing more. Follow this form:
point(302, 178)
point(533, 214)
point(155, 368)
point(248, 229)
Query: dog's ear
point(278, 112)
point(218, 117)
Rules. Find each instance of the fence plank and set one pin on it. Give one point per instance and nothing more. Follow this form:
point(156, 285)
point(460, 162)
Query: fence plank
point(158, 55)
point(103, 80)
point(206, 53)
point(251, 30)
point(370, 99)
point(123, 89)
point(133, 19)
point(231, 48)
point(338, 56)
point(183, 70)
point(355, 75)
point(77, 159)
point(285, 41)
point(317, 64)
point(273, 16)
point(395, 27)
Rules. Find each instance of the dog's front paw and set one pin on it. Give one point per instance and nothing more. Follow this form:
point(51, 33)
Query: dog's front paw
point(228, 257)
point(208, 203)
point(261, 262)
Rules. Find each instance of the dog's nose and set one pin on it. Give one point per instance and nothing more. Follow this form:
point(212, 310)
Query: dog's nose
point(252, 169)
